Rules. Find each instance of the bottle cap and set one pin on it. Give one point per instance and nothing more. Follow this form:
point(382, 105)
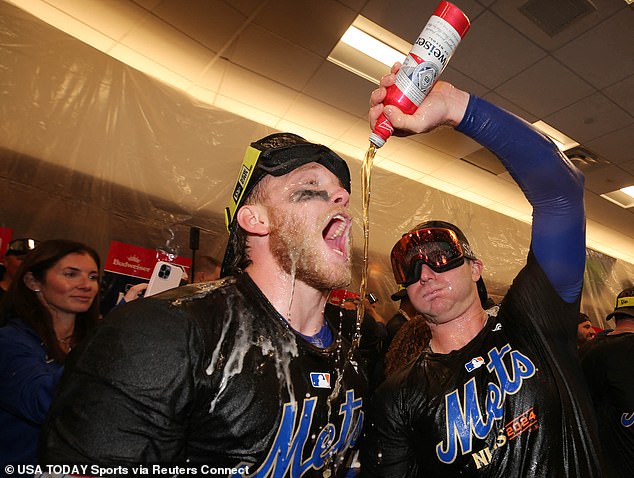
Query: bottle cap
point(376, 140)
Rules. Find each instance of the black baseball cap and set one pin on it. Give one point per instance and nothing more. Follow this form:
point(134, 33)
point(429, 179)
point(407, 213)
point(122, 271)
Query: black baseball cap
point(277, 154)
point(624, 304)
point(400, 294)
point(21, 247)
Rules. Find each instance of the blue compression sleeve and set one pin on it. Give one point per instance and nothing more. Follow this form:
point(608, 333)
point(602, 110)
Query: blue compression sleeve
point(552, 185)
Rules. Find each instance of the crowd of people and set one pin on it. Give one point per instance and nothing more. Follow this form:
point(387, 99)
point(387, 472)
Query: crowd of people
point(257, 374)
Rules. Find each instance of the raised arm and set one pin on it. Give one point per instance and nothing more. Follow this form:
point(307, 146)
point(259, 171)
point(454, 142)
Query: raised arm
point(552, 185)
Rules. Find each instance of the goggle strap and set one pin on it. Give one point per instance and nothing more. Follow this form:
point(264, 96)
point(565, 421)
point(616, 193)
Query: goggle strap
point(249, 162)
point(625, 302)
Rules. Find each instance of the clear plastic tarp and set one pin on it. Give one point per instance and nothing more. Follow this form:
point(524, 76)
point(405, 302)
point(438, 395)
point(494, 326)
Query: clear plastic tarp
point(93, 150)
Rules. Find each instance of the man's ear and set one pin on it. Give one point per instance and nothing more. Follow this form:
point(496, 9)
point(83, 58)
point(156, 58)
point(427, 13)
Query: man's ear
point(476, 269)
point(253, 218)
point(31, 282)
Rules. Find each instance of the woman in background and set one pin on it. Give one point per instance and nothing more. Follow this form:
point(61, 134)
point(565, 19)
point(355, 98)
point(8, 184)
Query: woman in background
point(49, 308)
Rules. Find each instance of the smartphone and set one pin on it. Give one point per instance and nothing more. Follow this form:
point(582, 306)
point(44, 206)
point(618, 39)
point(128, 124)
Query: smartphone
point(164, 276)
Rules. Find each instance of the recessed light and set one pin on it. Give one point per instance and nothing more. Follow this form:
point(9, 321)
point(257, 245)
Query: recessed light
point(623, 197)
point(368, 50)
point(563, 142)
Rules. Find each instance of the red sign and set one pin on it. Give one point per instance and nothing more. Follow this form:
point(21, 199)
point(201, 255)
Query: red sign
point(5, 238)
point(137, 261)
point(337, 296)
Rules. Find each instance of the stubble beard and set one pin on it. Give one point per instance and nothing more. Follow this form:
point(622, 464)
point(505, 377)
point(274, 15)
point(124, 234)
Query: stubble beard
point(296, 247)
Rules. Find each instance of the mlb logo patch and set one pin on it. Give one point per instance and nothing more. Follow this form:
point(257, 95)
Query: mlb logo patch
point(474, 363)
point(320, 379)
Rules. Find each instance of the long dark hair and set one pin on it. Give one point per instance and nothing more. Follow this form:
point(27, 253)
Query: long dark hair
point(22, 302)
point(408, 343)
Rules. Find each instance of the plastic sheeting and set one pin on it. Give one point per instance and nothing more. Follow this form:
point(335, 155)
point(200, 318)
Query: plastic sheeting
point(94, 150)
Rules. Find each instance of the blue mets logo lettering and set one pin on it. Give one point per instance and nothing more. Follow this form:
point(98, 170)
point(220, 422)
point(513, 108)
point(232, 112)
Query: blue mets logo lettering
point(466, 420)
point(627, 419)
point(285, 456)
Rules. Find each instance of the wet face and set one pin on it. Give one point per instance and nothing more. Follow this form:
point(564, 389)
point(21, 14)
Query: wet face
point(585, 332)
point(70, 286)
point(310, 226)
point(444, 296)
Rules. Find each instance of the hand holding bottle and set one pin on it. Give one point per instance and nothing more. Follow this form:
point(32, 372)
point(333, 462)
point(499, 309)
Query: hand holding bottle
point(444, 105)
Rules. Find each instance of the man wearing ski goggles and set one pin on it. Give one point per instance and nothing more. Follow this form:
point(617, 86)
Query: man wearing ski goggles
point(433, 243)
point(489, 394)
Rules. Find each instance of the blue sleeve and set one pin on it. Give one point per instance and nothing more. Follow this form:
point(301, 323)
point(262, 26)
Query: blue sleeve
point(552, 185)
point(27, 381)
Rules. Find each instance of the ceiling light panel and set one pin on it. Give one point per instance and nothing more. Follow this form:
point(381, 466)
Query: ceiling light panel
point(367, 50)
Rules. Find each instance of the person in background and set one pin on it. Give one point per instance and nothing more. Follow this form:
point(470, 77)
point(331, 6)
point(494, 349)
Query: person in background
point(49, 308)
point(408, 343)
point(342, 314)
point(12, 259)
point(585, 331)
point(608, 365)
point(241, 373)
point(490, 396)
point(404, 314)
point(133, 293)
point(207, 269)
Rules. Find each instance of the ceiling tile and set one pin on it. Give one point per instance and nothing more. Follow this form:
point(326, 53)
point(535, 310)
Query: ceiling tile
point(462, 81)
point(628, 166)
point(509, 10)
point(609, 43)
point(485, 159)
point(147, 4)
point(316, 26)
point(262, 93)
point(155, 39)
point(114, 18)
point(618, 146)
point(511, 107)
point(607, 178)
point(610, 215)
point(354, 4)
point(271, 56)
point(609, 241)
point(589, 118)
point(453, 171)
point(489, 52)
point(246, 7)
point(449, 141)
point(340, 88)
point(407, 18)
point(400, 169)
point(319, 116)
point(545, 87)
point(358, 135)
point(213, 24)
point(415, 155)
point(211, 76)
point(439, 184)
point(621, 94)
